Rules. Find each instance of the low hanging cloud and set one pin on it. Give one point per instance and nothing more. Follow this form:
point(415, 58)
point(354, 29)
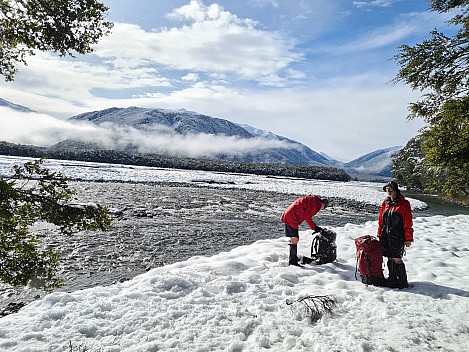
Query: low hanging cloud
point(46, 131)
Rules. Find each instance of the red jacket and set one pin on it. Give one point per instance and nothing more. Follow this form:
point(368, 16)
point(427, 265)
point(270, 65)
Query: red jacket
point(302, 209)
point(401, 215)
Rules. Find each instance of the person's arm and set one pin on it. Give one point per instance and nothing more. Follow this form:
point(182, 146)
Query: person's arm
point(311, 224)
point(408, 225)
point(312, 205)
point(380, 219)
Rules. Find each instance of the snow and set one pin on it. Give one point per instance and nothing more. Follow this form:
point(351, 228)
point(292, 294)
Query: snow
point(366, 192)
point(236, 300)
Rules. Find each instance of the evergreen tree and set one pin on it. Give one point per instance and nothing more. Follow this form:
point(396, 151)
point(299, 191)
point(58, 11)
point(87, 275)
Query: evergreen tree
point(440, 67)
point(411, 169)
point(36, 194)
point(62, 26)
point(447, 146)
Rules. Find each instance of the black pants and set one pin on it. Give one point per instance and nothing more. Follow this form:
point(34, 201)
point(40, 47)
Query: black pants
point(392, 243)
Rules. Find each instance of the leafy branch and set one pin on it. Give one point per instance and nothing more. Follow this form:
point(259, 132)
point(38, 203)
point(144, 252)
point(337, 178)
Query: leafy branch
point(33, 194)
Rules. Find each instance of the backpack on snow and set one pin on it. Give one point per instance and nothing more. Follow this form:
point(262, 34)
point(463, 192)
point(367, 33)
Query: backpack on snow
point(370, 260)
point(324, 248)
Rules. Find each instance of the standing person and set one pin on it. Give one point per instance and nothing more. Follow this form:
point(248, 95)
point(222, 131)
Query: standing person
point(395, 232)
point(302, 209)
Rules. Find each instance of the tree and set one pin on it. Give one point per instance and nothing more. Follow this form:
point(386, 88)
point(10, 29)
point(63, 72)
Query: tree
point(439, 66)
point(33, 194)
point(65, 27)
point(412, 170)
point(408, 166)
point(62, 26)
point(447, 141)
point(447, 146)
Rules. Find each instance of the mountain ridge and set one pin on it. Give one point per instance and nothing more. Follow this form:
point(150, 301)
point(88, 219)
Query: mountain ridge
point(374, 165)
point(186, 123)
point(13, 106)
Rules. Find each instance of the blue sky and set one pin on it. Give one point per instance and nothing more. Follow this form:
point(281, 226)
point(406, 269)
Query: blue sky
point(315, 71)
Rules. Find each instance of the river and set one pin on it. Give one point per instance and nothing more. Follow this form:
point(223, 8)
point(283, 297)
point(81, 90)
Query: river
point(438, 206)
point(162, 223)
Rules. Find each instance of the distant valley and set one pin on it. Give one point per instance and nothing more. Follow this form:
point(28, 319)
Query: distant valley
point(180, 134)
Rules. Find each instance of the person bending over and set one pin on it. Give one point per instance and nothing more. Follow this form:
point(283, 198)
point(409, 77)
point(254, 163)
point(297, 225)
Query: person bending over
point(302, 209)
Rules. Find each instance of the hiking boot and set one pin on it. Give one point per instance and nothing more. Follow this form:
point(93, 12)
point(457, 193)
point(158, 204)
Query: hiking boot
point(401, 275)
point(392, 272)
point(392, 283)
point(293, 259)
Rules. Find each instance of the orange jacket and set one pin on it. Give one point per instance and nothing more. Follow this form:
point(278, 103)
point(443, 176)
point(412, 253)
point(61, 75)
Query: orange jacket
point(302, 209)
point(400, 214)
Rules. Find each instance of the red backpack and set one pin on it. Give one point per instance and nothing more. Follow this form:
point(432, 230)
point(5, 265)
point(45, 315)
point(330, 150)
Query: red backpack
point(370, 260)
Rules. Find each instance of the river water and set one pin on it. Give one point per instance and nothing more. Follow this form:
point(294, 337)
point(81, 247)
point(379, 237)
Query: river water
point(438, 206)
point(162, 223)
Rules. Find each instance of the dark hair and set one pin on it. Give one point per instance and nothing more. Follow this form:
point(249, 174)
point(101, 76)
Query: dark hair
point(325, 201)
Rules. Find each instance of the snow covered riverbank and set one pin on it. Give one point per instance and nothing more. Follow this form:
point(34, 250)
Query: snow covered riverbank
point(236, 301)
point(366, 192)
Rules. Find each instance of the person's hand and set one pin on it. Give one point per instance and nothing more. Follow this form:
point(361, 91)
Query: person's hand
point(317, 229)
point(407, 243)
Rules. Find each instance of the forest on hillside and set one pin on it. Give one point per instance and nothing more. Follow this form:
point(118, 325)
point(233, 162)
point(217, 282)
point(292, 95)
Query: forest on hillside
point(157, 160)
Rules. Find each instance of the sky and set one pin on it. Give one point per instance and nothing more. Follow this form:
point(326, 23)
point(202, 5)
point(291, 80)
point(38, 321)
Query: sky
point(318, 71)
point(237, 300)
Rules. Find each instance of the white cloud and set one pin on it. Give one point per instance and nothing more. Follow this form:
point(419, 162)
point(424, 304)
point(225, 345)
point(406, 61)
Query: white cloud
point(75, 80)
point(379, 3)
point(132, 60)
point(192, 77)
point(37, 129)
point(210, 40)
point(43, 130)
point(393, 34)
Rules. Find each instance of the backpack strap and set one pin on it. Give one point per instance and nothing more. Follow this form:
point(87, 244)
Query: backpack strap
point(314, 248)
point(356, 265)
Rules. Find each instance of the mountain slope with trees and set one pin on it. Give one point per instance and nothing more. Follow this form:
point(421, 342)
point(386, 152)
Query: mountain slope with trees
point(88, 153)
point(187, 123)
point(374, 166)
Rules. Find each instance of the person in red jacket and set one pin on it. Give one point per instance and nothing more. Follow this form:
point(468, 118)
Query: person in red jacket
point(302, 209)
point(395, 232)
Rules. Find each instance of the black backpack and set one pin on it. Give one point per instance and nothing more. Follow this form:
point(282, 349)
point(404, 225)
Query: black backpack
point(324, 248)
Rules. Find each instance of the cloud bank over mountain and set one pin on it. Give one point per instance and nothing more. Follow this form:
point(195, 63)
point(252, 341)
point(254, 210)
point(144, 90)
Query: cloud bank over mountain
point(174, 133)
point(43, 130)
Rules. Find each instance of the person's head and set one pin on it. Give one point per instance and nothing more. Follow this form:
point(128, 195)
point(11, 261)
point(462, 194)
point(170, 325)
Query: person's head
point(324, 203)
point(392, 189)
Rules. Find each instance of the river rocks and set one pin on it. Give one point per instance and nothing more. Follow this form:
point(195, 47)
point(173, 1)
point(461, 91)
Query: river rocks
point(158, 224)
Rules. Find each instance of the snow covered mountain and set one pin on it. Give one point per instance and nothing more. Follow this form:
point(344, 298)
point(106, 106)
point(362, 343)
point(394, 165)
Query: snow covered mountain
point(373, 165)
point(14, 106)
point(160, 122)
point(184, 122)
point(300, 148)
point(179, 121)
point(376, 163)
